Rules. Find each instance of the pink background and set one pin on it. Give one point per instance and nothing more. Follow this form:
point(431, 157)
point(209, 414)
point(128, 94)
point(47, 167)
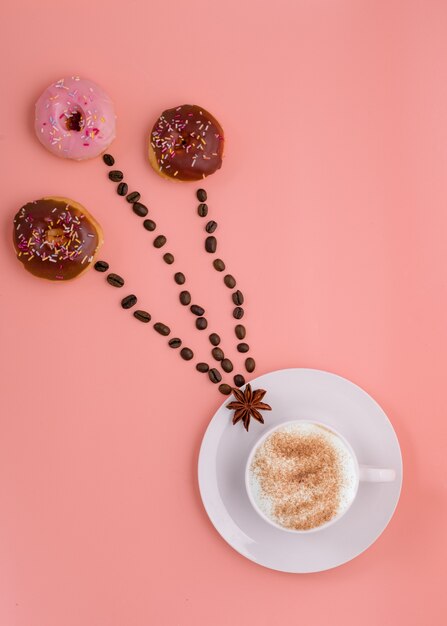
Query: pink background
point(332, 214)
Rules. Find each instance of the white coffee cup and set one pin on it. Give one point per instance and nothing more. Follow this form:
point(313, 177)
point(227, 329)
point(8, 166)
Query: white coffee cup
point(362, 473)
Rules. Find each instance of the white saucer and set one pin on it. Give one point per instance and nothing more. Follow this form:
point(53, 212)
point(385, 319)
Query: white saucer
point(300, 394)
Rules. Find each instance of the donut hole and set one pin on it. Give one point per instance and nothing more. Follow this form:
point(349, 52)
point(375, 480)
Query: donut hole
point(56, 236)
point(182, 142)
point(75, 121)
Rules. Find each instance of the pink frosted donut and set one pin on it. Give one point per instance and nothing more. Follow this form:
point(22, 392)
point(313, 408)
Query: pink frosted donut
point(75, 119)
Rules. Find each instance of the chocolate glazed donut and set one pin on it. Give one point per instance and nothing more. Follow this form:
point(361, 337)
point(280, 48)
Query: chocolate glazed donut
point(186, 143)
point(56, 238)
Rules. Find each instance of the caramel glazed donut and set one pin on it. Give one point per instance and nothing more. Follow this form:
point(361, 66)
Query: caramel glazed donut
point(56, 238)
point(186, 143)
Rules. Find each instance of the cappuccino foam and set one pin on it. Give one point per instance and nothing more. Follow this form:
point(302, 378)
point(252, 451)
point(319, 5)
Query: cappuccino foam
point(303, 476)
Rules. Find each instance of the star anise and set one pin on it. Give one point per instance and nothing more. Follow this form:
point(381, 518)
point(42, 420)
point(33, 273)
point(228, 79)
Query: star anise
point(247, 405)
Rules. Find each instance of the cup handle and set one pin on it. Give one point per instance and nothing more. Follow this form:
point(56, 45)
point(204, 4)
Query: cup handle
point(376, 474)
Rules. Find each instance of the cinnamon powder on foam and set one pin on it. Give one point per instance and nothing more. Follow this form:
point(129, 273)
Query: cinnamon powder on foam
point(301, 475)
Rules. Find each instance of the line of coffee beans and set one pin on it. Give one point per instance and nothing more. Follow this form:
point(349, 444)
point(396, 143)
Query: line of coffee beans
point(134, 197)
point(237, 296)
point(159, 242)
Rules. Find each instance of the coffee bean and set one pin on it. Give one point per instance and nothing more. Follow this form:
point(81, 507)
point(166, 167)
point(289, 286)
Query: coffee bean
point(133, 196)
point(186, 353)
point(160, 241)
point(211, 226)
point(142, 316)
point(116, 176)
point(175, 342)
point(230, 281)
point(196, 309)
point(243, 347)
point(218, 354)
point(240, 331)
point(129, 301)
point(226, 365)
point(238, 313)
point(202, 367)
point(139, 209)
point(149, 225)
point(211, 244)
point(214, 375)
point(202, 210)
point(115, 280)
point(239, 380)
point(108, 159)
point(201, 323)
point(101, 266)
point(219, 265)
point(214, 339)
point(185, 298)
point(122, 188)
point(250, 364)
point(168, 258)
point(225, 389)
point(179, 278)
point(162, 329)
point(201, 195)
point(238, 297)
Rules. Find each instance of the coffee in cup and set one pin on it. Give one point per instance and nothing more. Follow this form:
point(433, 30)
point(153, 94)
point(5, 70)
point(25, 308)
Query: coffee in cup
point(302, 476)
